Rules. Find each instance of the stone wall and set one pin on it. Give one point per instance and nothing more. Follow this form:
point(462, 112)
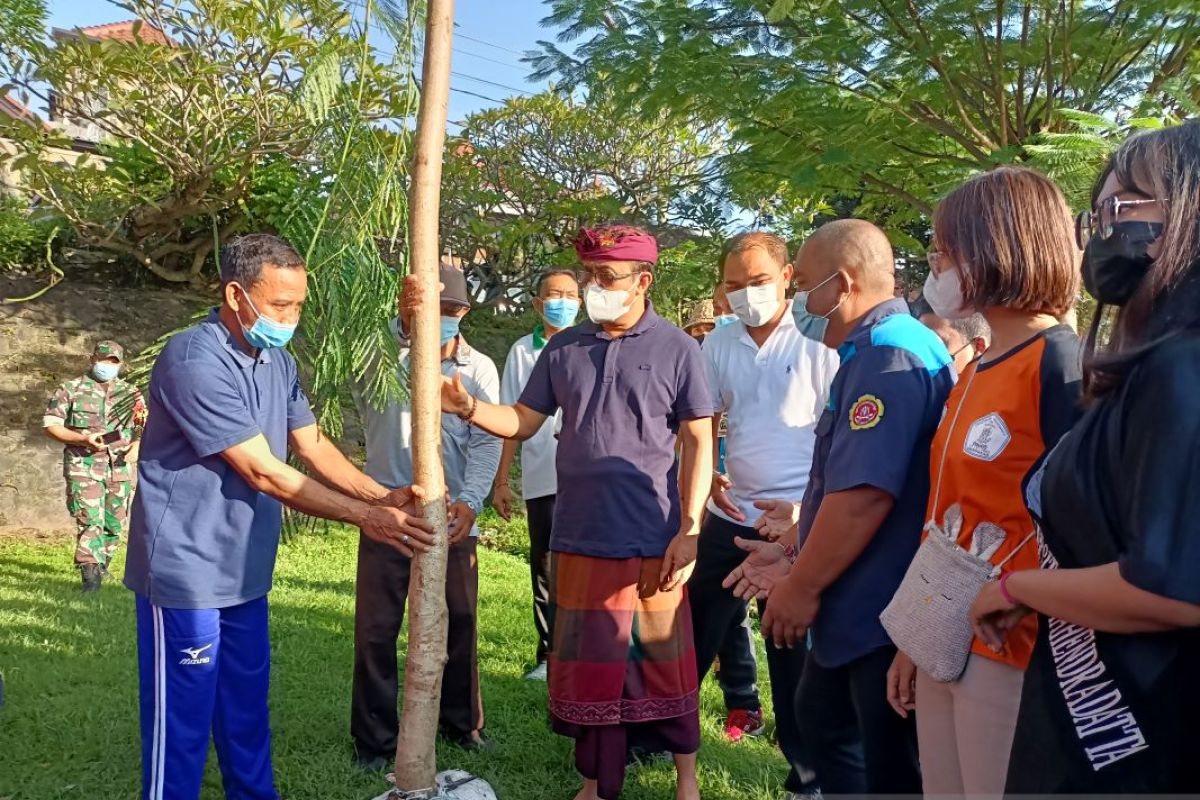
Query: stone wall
point(45, 342)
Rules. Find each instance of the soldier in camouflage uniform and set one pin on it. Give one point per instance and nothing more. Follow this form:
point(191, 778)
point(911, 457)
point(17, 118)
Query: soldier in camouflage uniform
point(99, 418)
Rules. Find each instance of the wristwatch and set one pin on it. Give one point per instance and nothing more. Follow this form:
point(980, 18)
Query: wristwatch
point(474, 505)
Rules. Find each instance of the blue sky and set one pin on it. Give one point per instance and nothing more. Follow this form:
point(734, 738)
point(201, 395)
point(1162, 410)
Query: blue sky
point(490, 37)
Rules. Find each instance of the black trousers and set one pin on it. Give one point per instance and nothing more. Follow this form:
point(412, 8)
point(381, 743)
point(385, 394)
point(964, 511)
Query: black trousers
point(381, 594)
point(539, 512)
point(716, 612)
point(859, 745)
point(737, 673)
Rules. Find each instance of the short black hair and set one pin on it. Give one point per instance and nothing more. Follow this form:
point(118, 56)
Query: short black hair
point(243, 258)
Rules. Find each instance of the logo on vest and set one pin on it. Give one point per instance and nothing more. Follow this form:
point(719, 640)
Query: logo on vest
point(986, 438)
point(194, 657)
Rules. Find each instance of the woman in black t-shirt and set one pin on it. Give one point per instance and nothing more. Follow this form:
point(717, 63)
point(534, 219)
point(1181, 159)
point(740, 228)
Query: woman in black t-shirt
point(1112, 699)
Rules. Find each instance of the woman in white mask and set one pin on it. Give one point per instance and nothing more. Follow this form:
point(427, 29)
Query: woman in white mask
point(1002, 246)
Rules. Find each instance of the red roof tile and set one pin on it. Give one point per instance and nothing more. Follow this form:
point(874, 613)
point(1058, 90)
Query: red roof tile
point(124, 31)
point(14, 108)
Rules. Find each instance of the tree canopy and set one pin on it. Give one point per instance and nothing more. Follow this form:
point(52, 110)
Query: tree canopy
point(890, 101)
point(521, 179)
point(188, 127)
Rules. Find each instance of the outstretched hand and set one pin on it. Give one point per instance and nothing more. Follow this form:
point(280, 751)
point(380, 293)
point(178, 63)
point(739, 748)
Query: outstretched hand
point(455, 397)
point(765, 566)
point(778, 520)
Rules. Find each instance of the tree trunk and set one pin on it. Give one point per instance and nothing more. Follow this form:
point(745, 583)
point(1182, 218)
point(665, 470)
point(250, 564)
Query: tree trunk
point(416, 758)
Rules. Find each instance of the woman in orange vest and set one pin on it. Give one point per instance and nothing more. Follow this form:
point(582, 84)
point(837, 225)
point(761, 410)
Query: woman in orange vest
point(1002, 246)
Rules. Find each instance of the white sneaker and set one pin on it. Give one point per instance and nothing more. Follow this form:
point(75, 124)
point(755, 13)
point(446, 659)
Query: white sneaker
point(538, 673)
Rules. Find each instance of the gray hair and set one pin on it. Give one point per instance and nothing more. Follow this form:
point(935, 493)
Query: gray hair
point(243, 258)
point(547, 275)
point(973, 327)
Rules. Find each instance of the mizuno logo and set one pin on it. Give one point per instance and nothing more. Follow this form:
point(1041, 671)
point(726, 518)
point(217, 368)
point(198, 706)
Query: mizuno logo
point(193, 655)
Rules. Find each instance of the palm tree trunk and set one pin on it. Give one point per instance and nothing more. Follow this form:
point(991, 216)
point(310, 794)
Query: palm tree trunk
point(416, 758)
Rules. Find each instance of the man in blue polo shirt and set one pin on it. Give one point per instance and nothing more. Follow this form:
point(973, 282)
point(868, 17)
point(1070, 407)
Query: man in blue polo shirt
point(862, 513)
point(212, 481)
point(622, 666)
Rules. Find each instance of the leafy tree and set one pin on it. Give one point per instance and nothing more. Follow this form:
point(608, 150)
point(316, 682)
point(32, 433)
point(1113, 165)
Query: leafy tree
point(188, 127)
point(521, 179)
point(891, 101)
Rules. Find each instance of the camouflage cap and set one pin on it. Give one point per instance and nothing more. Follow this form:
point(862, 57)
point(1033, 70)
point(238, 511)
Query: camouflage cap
point(702, 314)
point(109, 349)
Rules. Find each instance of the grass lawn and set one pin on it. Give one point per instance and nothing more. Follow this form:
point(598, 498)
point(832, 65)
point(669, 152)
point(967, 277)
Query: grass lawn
point(68, 728)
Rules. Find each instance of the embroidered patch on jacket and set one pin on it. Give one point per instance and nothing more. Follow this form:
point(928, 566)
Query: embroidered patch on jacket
point(987, 437)
point(866, 412)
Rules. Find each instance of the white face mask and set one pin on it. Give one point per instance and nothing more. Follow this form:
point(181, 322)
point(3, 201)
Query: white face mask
point(944, 295)
point(605, 305)
point(755, 305)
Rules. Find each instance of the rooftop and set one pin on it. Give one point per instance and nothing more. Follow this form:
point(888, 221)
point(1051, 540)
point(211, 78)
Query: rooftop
point(127, 31)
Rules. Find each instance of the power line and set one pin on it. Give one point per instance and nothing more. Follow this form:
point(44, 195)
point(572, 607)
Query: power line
point(392, 54)
point(490, 83)
point(491, 60)
point(489, 44)
point(361, 4)
point(476, 94)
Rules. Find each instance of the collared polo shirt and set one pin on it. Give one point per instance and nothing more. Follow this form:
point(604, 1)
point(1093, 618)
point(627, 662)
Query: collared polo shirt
point(622, 401)
point(199, 535)
point(469, 455)
point(538, 475)
point(884, 407)
point(772, 397)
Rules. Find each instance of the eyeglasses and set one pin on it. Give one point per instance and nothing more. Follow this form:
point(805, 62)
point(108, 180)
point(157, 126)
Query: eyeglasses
point(939, 261)
point(1101, 221)
point(605, 277)
point(559, 294)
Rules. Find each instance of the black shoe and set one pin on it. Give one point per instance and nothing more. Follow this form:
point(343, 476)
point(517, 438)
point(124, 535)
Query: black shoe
point(91, 577)
point(104, 573)
point(373, 763)
point(473, 742)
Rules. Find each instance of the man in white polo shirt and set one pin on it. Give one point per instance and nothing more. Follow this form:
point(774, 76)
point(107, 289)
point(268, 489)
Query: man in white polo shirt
point(557, 304)
point(772, 384)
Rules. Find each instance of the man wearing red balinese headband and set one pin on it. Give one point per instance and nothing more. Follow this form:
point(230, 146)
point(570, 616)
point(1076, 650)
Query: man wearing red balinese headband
point(624, 541)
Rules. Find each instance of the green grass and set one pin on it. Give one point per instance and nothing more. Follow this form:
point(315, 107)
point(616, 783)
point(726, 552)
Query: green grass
point(69, 725)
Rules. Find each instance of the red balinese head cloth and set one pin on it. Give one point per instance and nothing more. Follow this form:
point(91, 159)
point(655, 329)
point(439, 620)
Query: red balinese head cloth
point(616, 243)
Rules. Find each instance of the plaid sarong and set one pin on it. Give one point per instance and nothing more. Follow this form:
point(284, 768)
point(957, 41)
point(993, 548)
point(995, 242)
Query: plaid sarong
point(620, 654)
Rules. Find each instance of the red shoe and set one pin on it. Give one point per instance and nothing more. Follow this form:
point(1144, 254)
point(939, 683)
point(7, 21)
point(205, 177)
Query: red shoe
point(741, 722)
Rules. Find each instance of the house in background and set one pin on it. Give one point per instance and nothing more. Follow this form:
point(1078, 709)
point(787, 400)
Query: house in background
point(67, 112)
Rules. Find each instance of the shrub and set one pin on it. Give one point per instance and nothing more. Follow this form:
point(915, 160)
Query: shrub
point(23, 236)
point(510, 536)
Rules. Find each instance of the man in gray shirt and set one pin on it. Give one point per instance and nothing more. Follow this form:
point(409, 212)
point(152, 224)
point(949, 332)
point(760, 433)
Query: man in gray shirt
point(470, 457)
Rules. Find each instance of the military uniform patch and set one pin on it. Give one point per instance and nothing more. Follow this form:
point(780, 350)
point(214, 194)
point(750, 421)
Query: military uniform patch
point(866, 412)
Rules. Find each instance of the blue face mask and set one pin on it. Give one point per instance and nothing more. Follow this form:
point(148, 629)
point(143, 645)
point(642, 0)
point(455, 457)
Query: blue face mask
point(104, 372)
point(725, 319)
point(810, 325)
point(266, 332)
point(449, 328)
point(560, 312)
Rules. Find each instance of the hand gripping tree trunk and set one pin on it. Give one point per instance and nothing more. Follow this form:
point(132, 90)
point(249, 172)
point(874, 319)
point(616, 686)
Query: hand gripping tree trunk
point(416, 759)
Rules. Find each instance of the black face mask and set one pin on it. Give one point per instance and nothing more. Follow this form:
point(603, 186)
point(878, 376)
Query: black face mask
point(1113, 268)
